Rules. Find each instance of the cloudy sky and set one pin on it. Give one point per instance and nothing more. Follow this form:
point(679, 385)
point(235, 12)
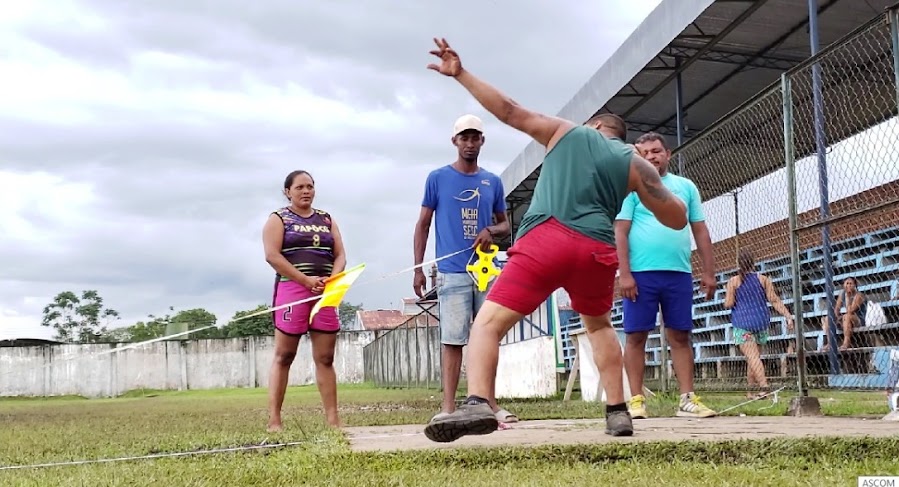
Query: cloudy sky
point(143, 144)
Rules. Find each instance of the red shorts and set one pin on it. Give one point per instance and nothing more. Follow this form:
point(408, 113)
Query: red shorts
point(553, 256)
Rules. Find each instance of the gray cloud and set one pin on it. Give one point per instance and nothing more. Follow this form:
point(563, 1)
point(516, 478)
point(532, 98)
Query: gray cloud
point(186, 160)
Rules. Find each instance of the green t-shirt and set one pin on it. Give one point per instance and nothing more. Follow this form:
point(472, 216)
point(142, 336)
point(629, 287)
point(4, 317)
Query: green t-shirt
point(582, 184)
point(653, 246)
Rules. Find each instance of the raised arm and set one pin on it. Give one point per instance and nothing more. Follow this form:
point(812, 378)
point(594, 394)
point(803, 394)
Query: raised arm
point(645, 181)
point(545, 129)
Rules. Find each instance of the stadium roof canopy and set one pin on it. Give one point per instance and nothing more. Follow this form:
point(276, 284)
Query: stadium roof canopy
point(18, 334)
point(724, 52)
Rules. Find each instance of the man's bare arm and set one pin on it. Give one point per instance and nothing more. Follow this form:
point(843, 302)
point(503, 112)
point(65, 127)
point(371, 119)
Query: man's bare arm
point(502, 227)
point(420, 238)
point(622, 230)
point(545, 129)
point(704, 246)
point(645, 181)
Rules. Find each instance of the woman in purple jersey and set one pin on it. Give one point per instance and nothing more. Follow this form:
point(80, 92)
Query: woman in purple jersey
point(304, 247)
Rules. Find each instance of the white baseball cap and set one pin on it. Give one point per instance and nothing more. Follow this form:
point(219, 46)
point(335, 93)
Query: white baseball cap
point(467, 122)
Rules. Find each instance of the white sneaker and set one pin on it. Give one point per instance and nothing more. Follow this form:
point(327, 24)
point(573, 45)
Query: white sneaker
point(691, 407)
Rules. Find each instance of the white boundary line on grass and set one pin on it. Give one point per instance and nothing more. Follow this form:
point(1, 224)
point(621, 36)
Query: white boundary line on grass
point(755, 399)
point(211, 451)
point(157, 455)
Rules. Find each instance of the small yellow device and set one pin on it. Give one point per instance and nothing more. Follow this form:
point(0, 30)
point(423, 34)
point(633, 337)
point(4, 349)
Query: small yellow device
point(484, 270)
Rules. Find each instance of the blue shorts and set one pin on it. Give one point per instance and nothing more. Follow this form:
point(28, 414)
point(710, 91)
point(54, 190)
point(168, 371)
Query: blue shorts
point(672, 290)
point(459, 301)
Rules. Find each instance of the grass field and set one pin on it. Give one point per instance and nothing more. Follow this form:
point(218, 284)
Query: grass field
point(66, 429)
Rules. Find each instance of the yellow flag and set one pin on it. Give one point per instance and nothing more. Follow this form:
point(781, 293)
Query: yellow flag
point(335, 287)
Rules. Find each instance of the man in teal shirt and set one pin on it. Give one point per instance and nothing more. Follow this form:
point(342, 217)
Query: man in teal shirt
point(566, 240)
point(655, 271)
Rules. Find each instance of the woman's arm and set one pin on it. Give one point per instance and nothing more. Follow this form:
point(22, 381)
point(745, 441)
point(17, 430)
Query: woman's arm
point(730, 292)
point(339, 250)
point(775, 301)
point(272, 238)
point(856, 303)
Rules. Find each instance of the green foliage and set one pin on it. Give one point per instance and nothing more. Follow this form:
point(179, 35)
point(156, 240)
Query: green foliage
point(347, 313)
point(78, 318)
point(81, 319)
point(160, 326)
point(143, 331)
point(192, 319)
point(260, 325)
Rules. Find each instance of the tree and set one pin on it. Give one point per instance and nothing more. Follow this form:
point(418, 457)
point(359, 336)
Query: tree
point(191, 319)
point(138, 332)
point(78, 319)
point(347, 313)
point(141, 331)
point(117, 335)
point(260, 325)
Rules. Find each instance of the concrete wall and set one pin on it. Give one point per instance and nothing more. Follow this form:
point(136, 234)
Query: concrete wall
point(527, 369)
point(93, 371)
point(410, 357)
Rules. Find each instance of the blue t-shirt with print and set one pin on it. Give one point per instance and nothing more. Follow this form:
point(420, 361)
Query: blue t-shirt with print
point(463, 205)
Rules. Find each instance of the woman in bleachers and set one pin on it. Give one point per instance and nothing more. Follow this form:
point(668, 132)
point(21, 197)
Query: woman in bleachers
point(849, 310)
point(747, 295)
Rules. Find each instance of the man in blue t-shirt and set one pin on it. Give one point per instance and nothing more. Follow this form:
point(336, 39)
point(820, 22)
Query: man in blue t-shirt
point(463, 200)
point(655, 272)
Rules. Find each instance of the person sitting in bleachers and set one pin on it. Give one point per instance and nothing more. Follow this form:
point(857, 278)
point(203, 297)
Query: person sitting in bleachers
point(855, 304)
point(748, 294)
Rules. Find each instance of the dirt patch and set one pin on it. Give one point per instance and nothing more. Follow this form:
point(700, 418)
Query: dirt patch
point(567, 432)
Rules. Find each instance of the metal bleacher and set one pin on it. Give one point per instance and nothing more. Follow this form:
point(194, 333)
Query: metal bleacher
point(873, 259)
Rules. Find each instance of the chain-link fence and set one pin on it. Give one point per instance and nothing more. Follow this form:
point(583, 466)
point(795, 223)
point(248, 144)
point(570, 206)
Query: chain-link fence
point(801, 193)
point(845, 162)
point(734, 164)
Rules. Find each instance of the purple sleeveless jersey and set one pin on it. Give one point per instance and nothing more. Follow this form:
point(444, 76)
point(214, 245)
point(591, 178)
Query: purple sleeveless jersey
point(308, 242)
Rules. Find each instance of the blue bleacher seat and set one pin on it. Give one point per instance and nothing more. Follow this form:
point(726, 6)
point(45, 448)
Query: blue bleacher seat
point(871, 258)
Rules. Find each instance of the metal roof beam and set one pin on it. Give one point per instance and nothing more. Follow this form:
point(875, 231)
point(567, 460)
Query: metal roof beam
point(740, 67)
point(651, 126)
point(686, 64)
point(725, 57)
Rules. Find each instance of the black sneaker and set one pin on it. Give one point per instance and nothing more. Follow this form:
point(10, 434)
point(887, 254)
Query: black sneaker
point(467, 419)
point(619, 423)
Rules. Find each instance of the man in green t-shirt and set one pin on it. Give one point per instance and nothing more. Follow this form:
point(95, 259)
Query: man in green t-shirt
point(566, 240)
